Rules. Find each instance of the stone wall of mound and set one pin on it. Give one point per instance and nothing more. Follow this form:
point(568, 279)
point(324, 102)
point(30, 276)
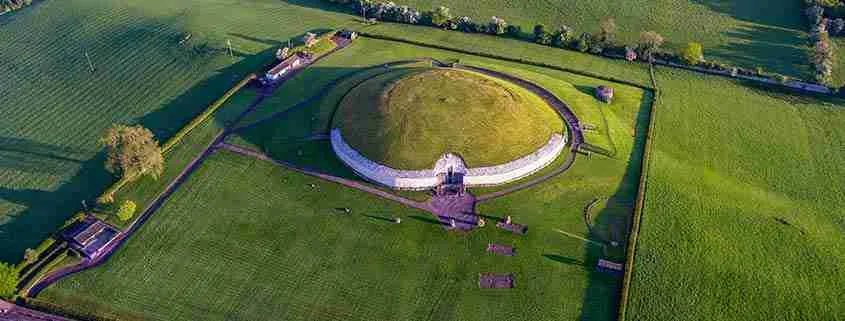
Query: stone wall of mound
point(427, 179)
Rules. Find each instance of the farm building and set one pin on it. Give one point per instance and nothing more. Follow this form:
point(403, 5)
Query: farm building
point(285, 66)
point(89, 236)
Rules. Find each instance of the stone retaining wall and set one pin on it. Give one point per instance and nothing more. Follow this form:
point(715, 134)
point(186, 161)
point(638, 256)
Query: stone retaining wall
point(427, 179)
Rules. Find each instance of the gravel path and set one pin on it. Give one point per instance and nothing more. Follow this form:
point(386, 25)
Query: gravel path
point(11, 312)
point(339, 180)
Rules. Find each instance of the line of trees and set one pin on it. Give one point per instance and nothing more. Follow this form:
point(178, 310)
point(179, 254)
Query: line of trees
point(822, 50)
point(12, 5)
point(600, 42)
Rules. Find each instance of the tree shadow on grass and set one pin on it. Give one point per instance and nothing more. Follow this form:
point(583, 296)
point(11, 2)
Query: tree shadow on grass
point(426, 219)
point(44, 211)
point(564, 259)
point(379, 218)
point(602, 296)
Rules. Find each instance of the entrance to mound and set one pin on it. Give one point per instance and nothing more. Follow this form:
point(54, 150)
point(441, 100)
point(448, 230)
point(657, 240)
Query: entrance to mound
point(450, 170)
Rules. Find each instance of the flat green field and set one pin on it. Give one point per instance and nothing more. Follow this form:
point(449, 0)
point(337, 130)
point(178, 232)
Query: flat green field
point(54, 108)
point(243, 239)
point(407, 119)
point(743, 217)
point(746, 33)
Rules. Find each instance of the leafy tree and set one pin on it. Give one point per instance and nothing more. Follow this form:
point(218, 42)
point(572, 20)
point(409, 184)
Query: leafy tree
point(815, 14)
point(497, 26)
point(583, 43)
point(836, 26)
point(649, 43)
point(9, 278)
point(440, 16)
point(133, 151)
point(541, 36)
point(30, 256)
point(693, 53)
point(514, 31)
point(607, 29)
point(465, 24)
point(563, 36)
point(126, 210)
point(823, 3)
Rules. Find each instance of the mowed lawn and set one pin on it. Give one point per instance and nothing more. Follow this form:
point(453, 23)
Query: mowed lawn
point(54, 108)
point(769, 34)
point(743, 217)
point(245, 240)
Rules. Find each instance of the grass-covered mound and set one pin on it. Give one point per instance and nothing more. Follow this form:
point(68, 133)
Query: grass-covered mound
point(407, 119)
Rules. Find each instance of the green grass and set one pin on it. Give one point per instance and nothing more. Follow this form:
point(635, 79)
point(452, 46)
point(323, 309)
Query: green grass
point(407, 120)
point(274, 246)
point(54, 108)
point(742, 33)
point(743, 216)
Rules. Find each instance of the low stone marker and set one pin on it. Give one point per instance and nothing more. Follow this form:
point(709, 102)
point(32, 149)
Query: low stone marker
point(495, 280)
point(500, 249)
point(609, 267)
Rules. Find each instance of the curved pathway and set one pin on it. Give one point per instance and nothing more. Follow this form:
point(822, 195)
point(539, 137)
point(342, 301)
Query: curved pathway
point(339, 180)
point(219, 142)
point(11, 312)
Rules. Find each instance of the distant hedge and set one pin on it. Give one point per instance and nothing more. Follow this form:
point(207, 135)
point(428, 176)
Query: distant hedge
point(12, 5)
point(565, 37)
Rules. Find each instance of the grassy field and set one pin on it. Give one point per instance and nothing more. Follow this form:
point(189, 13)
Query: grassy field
point(54, 108)
point(250, 238)
point(735, 32)
point(743, 217)
point(407, 119)
point(731, 163)
point(743, 209)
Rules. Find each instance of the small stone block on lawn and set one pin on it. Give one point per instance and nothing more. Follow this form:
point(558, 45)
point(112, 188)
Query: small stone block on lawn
point(609, 267)
point(495, 281)
point(500, 249)
point(515, 228)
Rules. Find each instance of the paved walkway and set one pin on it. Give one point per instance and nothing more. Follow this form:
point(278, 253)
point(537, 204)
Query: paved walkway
point(457, 208)
point(339, 180)
point(11, 312)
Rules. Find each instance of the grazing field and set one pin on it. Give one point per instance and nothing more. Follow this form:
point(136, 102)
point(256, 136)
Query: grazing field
point(276, 245)
point(407, 119)
point(745, 33)
point(743, 217)
point(157, 63)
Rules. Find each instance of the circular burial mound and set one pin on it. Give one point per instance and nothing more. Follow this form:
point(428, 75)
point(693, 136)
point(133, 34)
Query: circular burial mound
point(408, 118)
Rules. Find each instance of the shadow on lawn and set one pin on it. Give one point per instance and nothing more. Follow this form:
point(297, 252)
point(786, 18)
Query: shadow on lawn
point(597, 305)
point(45, 210)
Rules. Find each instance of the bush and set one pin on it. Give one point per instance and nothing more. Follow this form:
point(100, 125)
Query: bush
point(440, 16)
point(649, 44)
point(8, 280)
point(541, 36)
point(693, 54)
point(126, 210)
point(497, 26)
point(514, 31)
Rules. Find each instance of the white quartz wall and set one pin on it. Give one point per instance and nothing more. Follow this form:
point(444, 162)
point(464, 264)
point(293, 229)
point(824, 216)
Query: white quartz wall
point(426, 179)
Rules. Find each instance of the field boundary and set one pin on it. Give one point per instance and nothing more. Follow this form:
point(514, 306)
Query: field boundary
point(633, 235)
point(505, 58)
